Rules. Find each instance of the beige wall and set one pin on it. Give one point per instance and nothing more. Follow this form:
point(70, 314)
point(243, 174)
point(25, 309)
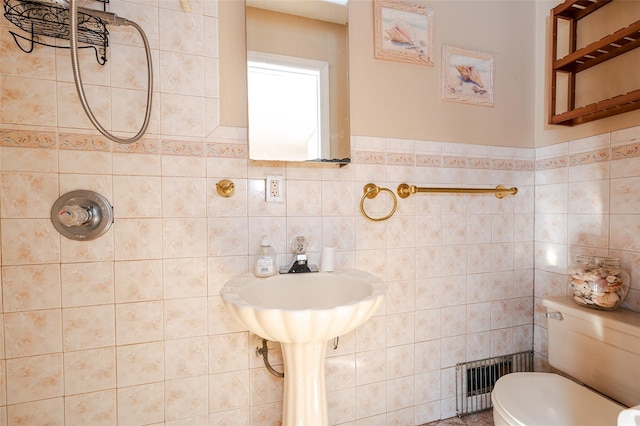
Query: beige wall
point(384, 104)
point(399, 100)
point(232, 69)
point(404, 101)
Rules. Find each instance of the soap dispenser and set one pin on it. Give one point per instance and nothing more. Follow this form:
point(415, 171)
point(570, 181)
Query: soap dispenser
point(266, 260)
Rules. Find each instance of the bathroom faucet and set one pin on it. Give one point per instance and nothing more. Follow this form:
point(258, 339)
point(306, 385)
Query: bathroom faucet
point(299, 263)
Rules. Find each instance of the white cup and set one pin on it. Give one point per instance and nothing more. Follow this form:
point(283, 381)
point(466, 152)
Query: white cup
point(328, 259)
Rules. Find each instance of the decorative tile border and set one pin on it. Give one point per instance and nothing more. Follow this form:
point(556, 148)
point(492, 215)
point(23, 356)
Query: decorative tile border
point(428, 160)
point(502, 164)
point(83, 142)
point(28, 139)
point(425, 160)
point(454, 162)
point(75, 141)
point(625, 151)
point(552, 163)
point(590, 157)
point(398, 159)
point(87, 142)
point(185, 148)
point(227, 150)
point(367, 157)
point(479, 163)
point(525, 165)
point(141, 146)
point(578, 159)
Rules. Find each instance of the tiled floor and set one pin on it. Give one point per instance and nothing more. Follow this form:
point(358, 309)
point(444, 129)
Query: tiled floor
point(483, 418)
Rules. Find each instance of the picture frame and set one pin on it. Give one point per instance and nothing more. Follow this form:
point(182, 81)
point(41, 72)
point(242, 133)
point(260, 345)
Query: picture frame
point(467, 76)
point(403, 32)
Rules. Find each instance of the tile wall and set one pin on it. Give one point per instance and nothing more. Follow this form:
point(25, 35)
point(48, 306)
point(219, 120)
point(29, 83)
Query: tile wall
point(586, 202)
point(129, 329)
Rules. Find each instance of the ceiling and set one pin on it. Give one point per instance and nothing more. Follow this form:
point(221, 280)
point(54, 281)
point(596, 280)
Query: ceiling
point(326, 10)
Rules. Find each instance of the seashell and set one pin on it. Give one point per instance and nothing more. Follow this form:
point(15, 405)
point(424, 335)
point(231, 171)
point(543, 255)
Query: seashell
point(612, 279)
point(396, 36)
point(614, 288)
point(469, 73)
point(590, 276)
point(580, 300)
point(599, 286)
point(401, 32)
point(583, 288)
point(607, 300)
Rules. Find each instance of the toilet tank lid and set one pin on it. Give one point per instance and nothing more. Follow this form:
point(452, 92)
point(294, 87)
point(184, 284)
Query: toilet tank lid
point(621, 319)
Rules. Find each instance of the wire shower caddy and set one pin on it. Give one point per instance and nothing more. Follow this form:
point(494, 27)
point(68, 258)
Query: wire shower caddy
point(39, 19)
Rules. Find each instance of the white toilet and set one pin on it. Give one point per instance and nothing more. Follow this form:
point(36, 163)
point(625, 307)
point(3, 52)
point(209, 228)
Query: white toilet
point(598, 348)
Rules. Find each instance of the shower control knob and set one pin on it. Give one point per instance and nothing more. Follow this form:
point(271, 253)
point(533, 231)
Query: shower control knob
point(75, 215)
point(82, 215)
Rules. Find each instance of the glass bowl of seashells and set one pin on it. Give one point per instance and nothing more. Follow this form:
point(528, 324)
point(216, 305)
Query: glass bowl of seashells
point(598, 282)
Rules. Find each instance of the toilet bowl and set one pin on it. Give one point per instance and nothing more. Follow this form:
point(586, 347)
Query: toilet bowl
point(629, 417)
point(598, 348)
point(546, 399)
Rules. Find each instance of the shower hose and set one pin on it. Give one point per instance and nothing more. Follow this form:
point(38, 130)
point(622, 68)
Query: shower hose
point(73, 12)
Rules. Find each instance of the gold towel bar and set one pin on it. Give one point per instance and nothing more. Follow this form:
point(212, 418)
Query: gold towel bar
point(371, 190)
point(500, 191)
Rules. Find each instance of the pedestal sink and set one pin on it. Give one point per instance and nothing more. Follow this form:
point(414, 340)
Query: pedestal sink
point(303, 312)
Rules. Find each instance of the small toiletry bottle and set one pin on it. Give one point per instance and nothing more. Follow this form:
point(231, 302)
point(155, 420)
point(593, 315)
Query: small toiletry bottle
point(266, 261)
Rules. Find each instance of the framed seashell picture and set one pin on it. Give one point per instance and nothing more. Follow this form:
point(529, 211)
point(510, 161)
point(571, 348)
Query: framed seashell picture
point(467, 76)
point(403, 32)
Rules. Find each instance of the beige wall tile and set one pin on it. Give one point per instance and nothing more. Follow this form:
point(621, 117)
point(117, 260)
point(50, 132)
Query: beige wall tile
point(31, 287)
point(85, 284)
point(91, 408)
point(18, 236)
point(88, 327)
point(143, 404)
point(140, 364)
point(46, 411)
point(139, 322)
point(89, 370)
point(33, 333)
point(34, 378)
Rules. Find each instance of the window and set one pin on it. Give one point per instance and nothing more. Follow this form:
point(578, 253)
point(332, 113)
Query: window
point(288, 107)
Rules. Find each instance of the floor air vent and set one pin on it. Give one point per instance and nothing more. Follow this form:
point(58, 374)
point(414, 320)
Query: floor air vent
point(475, 379)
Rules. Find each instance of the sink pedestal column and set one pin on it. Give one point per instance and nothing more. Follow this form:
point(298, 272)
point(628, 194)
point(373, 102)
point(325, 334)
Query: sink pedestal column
point(305, 396)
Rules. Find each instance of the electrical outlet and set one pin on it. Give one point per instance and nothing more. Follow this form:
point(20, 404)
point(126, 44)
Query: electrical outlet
point(274, 189)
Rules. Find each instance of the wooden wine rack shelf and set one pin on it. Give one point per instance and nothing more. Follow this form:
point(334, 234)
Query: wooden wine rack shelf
point(577, 60)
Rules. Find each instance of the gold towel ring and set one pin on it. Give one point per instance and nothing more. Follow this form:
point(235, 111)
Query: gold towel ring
point(371, 190)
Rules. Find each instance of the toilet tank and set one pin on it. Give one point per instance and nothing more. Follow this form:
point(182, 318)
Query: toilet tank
point(598, 348)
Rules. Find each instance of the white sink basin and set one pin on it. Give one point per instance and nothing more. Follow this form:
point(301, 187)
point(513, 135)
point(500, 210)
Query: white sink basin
point(308, 307)
point(302, 312)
